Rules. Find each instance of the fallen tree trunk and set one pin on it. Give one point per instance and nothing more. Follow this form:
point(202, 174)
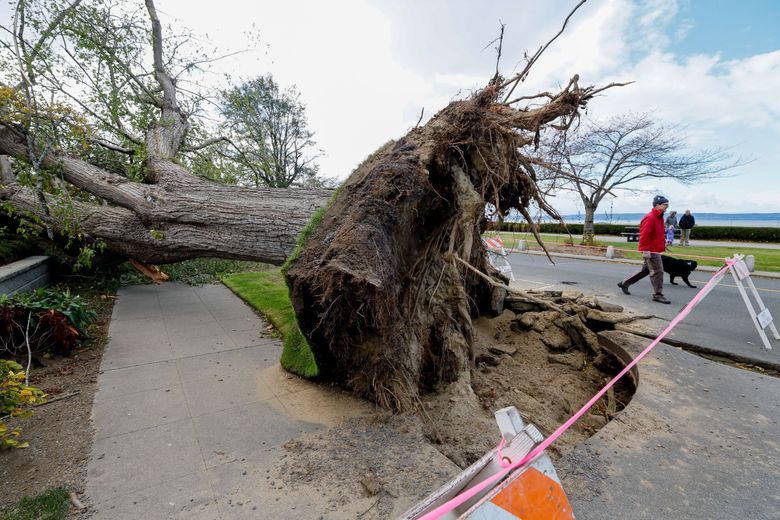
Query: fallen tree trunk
point(386, 287)
point(178, 217)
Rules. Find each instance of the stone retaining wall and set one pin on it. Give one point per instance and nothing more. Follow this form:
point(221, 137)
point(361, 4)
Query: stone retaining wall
point(24, 275)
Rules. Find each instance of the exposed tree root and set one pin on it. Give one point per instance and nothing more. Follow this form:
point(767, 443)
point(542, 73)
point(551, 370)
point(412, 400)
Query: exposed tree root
point(386, 287)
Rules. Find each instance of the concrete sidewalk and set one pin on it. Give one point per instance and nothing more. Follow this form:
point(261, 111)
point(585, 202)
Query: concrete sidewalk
point(191, 400)
point(698, 440)
point(192, 410)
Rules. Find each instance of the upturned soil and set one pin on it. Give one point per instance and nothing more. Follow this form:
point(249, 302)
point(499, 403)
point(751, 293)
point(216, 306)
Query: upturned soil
point(540, 374)
point(60, 431)
point(378, 467)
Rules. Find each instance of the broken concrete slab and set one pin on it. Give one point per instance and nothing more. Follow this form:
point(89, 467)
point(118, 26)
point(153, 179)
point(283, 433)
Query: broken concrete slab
point(698, 440)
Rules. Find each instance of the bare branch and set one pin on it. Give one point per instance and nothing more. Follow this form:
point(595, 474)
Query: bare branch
point(204, 144)
point(535, 96)
point(520, 76)
point(601, 158)
point(111, 146)
point(422, 111)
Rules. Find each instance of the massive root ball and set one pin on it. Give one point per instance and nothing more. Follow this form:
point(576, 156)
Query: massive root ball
point(382, 289)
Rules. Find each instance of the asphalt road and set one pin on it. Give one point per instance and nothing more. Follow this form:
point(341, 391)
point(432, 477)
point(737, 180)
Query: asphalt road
point(720, 322)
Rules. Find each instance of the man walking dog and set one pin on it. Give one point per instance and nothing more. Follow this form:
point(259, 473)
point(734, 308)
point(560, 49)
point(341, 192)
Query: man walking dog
point(651, 244)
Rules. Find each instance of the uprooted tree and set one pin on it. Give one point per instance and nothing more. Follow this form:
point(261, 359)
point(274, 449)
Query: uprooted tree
point(100, 140)
point(387, 284)
point(386, 287)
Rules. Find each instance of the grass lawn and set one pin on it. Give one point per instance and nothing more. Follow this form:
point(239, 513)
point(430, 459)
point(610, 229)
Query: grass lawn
point(267, 292)
point(766, 259)
point(51, 505)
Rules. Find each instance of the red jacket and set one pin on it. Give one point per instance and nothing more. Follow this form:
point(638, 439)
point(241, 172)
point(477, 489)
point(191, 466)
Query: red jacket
point(651, 232)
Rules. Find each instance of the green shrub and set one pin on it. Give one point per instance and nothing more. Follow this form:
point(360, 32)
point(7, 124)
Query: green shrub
point(747, 234)
point(59, 299)
point(208, 270)
point(13, 248)
point(46, 319)
point(16, 398)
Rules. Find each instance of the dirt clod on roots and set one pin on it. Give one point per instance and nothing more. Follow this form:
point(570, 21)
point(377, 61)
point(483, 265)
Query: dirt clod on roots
point(382, 289)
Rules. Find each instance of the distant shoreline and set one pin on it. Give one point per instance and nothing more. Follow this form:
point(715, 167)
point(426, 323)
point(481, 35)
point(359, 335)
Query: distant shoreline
point(771, 220)
point(699, 222)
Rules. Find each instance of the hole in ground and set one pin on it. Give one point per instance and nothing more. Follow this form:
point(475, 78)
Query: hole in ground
point(542, 372)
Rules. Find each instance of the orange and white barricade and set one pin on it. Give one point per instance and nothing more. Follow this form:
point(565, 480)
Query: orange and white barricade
point(497, 255)
point(530, 492)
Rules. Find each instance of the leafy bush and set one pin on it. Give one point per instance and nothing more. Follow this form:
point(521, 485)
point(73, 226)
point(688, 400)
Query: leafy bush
point(15, 401)
point(747, 234)
point(13, 247)
point(46, 319)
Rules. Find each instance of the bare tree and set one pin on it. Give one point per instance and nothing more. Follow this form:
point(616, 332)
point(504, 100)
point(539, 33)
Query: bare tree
point(601, 158)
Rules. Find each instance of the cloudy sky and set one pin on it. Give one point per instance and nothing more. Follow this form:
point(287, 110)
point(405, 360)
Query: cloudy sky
point(366, 68)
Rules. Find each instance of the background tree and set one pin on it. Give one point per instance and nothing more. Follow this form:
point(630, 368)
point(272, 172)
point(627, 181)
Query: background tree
point(269, 137)
point(600, 158)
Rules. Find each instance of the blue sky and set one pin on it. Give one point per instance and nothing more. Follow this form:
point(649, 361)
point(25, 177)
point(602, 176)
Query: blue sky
point(732, 28)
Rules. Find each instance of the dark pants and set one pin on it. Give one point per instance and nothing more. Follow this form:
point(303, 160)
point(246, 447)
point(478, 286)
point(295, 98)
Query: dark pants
point(653, 267)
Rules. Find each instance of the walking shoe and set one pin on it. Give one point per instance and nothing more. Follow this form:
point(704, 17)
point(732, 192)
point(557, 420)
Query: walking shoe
point(660, 298)
point(623, 288)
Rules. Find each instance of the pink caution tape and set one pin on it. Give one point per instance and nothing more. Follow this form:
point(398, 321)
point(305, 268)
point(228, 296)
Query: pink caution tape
point(471, 492)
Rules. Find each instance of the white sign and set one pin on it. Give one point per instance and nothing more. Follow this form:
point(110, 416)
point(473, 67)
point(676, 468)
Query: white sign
point(742, 270)
point(764, 318)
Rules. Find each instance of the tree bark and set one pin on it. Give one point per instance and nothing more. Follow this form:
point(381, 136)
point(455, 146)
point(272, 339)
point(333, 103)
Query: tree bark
point(587, 228)
point(207, 219)
point(177, 218)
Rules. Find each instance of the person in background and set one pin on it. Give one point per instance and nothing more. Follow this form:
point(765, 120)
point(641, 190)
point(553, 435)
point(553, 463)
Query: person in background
point(670, 235)
point(687, 221)
point(671, 220)
point(651, 245)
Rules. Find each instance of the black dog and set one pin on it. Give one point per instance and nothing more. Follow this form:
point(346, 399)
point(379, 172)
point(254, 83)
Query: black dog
point(676, 267)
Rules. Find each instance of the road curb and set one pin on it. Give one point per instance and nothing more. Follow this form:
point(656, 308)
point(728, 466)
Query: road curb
point(698, 349)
